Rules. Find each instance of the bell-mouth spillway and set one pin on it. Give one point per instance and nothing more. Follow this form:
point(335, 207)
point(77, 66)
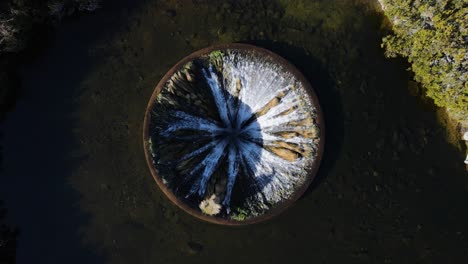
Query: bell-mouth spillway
point(233, 134)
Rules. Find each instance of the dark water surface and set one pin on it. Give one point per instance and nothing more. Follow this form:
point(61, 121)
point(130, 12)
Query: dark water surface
point(390, 188)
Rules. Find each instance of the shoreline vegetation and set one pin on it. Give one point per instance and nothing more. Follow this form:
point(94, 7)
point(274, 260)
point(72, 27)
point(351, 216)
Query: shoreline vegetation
point(21, 23)
point(433, 36)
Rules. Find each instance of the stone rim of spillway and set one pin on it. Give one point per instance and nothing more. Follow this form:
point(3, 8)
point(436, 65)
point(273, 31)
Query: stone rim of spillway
point(219, 68)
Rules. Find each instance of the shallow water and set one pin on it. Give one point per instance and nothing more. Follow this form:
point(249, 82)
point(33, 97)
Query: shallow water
point(390, 188)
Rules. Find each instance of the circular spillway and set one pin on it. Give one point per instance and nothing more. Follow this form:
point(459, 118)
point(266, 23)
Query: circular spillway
point(233, 134)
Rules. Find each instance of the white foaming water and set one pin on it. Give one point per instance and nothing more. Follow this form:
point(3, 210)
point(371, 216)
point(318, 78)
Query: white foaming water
point(265, 130)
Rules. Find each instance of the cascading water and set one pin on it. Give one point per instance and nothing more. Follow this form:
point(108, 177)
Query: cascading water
point(234, 134)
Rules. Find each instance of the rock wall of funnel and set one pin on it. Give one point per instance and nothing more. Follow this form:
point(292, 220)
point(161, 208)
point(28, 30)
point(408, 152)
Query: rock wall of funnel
point(234, 128)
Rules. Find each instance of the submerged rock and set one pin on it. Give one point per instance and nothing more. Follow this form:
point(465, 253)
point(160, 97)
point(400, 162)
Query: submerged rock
point(194, 247)
point(210, 206)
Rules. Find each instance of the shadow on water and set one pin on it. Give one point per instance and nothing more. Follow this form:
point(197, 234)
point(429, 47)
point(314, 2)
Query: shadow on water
point(38, 140)
point(39, 144)
point(328, 98)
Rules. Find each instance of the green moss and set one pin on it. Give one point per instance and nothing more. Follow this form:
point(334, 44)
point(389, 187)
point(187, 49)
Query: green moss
point(216, 54)
point(216, 58)
point(239, 214)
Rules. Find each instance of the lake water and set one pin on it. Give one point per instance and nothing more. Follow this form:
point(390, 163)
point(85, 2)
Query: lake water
point(390, 188)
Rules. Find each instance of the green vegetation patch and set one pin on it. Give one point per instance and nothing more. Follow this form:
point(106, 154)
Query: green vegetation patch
point(433, 35)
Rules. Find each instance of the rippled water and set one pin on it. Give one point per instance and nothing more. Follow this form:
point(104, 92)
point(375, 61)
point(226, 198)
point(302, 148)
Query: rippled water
point(390, 188)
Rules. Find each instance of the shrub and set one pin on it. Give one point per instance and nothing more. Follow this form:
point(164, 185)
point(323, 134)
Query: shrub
point(433, 35)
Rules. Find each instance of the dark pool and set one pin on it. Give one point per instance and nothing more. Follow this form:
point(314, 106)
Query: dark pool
point(390, 188)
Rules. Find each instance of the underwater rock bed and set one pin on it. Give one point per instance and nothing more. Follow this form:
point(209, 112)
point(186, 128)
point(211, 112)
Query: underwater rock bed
point(233, 134)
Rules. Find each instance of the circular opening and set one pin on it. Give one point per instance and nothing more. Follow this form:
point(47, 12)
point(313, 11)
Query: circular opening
point(233, 134)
